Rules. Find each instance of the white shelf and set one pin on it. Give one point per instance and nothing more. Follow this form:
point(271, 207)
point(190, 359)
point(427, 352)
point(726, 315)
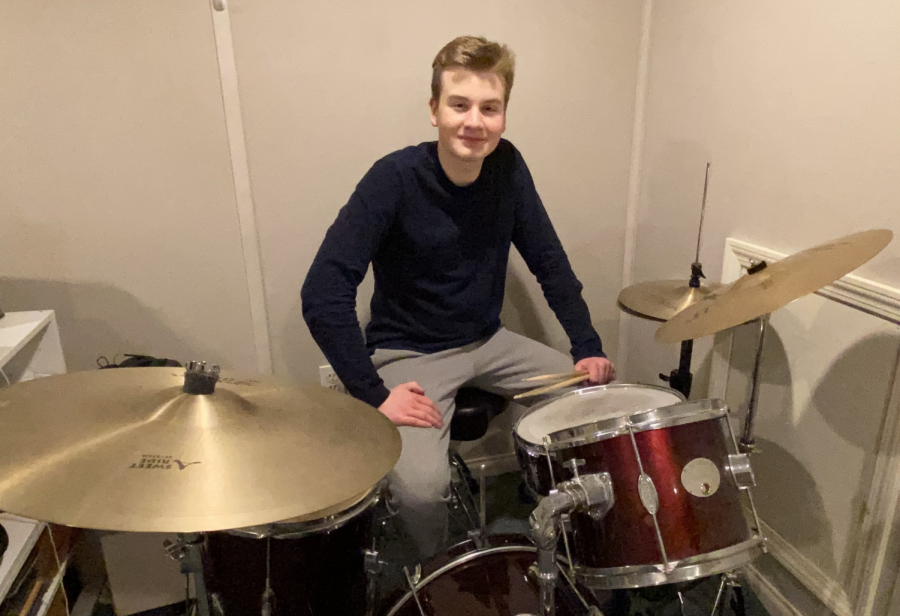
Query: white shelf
point(30, 345)
point(23, 534)
point(18, 329)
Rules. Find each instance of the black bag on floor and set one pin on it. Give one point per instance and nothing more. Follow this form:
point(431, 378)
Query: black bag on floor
point(138, 361)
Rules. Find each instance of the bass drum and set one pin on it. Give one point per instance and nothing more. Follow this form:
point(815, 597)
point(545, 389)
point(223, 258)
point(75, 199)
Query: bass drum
point(499, 580)
point(313, 567)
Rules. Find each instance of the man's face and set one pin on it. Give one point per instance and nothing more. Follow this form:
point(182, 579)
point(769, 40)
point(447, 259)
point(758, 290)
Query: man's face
point(470, 116)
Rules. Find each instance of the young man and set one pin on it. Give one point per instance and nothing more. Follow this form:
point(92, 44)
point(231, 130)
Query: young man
point(436, 222)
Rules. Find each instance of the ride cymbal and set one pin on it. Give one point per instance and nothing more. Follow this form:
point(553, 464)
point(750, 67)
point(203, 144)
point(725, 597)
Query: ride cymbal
point(777, 285)
point(127, 449)
point(663, 299)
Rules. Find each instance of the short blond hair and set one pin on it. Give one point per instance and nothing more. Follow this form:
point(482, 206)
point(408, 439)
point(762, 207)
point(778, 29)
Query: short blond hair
point(476, 54)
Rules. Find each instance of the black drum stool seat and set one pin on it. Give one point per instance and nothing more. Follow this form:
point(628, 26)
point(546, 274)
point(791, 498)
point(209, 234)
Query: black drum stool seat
point(475, 408)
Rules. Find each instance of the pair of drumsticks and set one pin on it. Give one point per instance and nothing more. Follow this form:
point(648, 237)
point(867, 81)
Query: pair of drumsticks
point(565, 380)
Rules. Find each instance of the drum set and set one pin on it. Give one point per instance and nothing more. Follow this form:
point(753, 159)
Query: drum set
point(278, 493)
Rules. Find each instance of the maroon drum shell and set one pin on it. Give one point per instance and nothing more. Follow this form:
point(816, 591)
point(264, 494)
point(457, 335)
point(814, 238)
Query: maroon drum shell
point(493, 583)
point(690, 525)
point(321, 574)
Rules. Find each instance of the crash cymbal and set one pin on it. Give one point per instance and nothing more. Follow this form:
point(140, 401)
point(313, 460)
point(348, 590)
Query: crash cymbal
point(663, 299)
point(777, 285)
point(127, 449)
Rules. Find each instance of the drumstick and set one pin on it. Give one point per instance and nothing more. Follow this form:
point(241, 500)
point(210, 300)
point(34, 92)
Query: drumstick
point(549, 388)
point(553, 377)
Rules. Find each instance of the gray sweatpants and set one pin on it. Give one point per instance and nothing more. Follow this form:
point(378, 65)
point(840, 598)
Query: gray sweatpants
point(421, 478)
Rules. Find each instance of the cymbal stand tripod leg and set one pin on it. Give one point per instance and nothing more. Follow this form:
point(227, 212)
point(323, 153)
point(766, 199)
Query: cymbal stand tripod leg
point(733, 586)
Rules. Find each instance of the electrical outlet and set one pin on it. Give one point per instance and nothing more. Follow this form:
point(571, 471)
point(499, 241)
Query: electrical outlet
point(328, 378)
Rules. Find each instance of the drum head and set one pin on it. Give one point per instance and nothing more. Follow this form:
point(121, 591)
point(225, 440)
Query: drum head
point(592, 405)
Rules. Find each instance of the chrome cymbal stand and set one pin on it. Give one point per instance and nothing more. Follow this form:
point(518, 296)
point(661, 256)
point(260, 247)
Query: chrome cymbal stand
point(733, 586)
point(747, 441)
point(681, 378)
point(186, 551)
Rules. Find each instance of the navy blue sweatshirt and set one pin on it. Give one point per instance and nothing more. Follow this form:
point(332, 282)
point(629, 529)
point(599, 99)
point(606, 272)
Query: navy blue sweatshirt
point(439, 254)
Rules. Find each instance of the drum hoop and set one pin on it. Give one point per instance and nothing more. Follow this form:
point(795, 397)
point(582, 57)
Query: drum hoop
point(583, 392)
point(686, 569)
point(604, 429)
point(462, 560)
point(318, 525)
point(678, 414)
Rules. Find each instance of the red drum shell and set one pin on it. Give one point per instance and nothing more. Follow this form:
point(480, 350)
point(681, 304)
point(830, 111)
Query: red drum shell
point(690, 525)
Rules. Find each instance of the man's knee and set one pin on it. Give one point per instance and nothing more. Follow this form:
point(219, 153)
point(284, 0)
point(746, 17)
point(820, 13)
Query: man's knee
point(421, 488)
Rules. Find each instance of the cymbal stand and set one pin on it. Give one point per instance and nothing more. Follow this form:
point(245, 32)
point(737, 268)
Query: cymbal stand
point(681, 378)
point(731, 582)
point(747, 442)
point(187, 552)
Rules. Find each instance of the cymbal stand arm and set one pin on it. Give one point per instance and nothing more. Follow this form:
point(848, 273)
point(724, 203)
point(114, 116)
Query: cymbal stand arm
point(747, 441)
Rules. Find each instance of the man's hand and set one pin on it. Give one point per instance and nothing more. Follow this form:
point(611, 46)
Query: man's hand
point(600, 370)
point(407, 405)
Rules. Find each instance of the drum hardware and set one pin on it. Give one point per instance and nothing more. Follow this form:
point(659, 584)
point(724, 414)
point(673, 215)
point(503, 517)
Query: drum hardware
point(739, 466)
point(199, 381)
point(747, 441)
point(681, 378)
point(479, 534)
point(268, 596)
point(731, 582)
point(413, 579)
point(565, 520)
point(585, 493)
point(186, 550)
point(464, 498)
point(649, 499)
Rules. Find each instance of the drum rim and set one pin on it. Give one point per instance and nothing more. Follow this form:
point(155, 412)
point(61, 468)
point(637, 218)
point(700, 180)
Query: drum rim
point(684, 570)
point(302, 528)
point(468, 557)
point(678, 414)
point(604, 429)
point(461, 560)
point(585, 391)
point(645, 421)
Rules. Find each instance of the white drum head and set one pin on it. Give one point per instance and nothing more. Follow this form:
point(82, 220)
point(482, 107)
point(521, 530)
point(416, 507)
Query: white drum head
point(591, 404)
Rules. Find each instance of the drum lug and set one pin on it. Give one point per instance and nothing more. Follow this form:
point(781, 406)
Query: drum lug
point(739, 465)
point(648, 494)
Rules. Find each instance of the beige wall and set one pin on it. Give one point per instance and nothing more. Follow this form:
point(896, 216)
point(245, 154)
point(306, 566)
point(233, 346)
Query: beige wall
point(116, 196)
point(328, 88)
